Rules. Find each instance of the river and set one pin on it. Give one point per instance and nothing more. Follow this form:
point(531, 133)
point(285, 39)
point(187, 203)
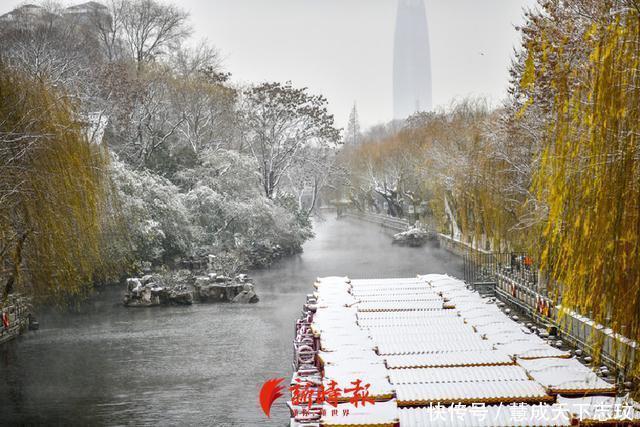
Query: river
point(203, 364)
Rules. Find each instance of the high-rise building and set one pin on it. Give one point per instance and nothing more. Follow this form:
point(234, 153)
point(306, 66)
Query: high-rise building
point(412, 60)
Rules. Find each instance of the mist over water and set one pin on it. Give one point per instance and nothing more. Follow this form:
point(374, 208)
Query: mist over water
point(202, 364)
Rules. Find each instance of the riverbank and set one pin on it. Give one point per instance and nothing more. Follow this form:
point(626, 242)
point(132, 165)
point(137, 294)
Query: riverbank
point(15, 316)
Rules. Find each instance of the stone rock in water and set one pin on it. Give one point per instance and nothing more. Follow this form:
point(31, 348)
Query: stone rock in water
point(133, 283)
point(150, 291)
point(181, 296)
point(211, 292)
point(413, 237)
point(145, 280)
point(145, 292)
point(141, 296)
point(246, 297)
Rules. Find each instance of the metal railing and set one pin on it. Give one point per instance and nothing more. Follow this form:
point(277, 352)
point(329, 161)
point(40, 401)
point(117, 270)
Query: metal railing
point(390, 222)
point(513, 278)
point(487, 266)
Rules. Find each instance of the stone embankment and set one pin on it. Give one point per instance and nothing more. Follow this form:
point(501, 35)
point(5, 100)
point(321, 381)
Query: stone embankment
point(16, 317)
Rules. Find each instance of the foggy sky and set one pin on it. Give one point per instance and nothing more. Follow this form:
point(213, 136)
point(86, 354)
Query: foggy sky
point(344, 48)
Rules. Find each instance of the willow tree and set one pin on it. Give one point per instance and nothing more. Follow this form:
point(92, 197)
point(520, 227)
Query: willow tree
point(53, 191)
point(470, 169)
point(589, 174)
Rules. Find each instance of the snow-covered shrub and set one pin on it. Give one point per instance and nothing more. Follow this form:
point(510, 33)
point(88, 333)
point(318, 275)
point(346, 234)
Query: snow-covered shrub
point(158, 225)
point(231, 214)
point(219, 209)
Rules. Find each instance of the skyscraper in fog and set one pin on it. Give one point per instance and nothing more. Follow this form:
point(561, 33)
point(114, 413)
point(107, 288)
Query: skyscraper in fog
point(411, 60)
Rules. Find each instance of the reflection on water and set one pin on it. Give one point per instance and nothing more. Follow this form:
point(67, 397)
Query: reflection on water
point(202, 364)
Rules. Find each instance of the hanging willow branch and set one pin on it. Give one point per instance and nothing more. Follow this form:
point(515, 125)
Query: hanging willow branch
point(589, 175)
point(54, 190)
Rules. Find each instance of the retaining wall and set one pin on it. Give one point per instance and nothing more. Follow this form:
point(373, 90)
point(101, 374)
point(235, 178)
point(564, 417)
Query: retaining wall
point(18, 309)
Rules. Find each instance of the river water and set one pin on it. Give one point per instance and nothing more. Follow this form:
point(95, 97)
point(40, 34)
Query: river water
point(202, 364)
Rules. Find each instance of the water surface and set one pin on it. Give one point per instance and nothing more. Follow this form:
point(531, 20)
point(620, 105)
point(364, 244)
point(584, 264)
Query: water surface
point(202, 364)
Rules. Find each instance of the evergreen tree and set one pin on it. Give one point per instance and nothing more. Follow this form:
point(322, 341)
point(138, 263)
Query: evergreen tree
point(352, 134)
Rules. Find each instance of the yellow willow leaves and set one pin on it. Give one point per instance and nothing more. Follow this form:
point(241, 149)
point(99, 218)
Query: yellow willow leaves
point(589, 177)
point(52, 222)
point(529, 75)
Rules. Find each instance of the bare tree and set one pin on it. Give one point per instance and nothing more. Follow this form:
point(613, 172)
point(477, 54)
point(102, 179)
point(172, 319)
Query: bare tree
point(50, 47)
point(201, 98)
point(309, 176)
point(149, 28)
point(279, 121)
point(108, 26)
point(203, 59)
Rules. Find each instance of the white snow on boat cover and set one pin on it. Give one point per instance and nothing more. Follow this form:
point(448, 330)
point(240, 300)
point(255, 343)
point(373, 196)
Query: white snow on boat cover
point(382, 319)
point(471, 349)
point(357, 357)
point(471, 358)
point(565, 376)
point(443, 328)
point(411, 324)
point(400, 305)
point(421, 344)
point(422, 291)
point(517, 415)
point(487, 392)
point(399, 298)
point(457, 374)
point(373, 375)
point(530, 350)
point(361, 283)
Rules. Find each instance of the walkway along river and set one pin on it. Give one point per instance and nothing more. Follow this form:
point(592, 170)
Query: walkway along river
point(202, 364)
